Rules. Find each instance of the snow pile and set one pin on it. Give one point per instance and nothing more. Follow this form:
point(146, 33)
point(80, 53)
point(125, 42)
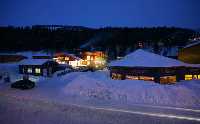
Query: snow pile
point(98, 85)
point(10, 70)
point(89, 87)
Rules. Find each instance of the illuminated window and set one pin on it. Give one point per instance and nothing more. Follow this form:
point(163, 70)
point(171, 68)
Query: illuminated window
point(37, 70)
point(92, 58)
point(130, 77)
point(195, 76)
point(188, 77)
point(116, 76)
point(167, 79)
point(88, 62)
point(88, 57)
point(29, 70)
point(84, 62)
point(146, 78)
point(66, 58)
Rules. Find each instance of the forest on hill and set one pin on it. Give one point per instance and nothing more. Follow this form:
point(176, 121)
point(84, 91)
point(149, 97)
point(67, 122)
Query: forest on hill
point(110, 39)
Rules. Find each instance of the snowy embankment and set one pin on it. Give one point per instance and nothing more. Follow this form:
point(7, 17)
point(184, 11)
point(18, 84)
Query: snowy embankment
point(98, 86)
point(10, 69)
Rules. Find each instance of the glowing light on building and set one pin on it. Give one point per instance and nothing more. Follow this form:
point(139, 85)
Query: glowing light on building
point(29, 70)
point(37, 70)
point(168, 79)
point(96, 59)
point(191, 77)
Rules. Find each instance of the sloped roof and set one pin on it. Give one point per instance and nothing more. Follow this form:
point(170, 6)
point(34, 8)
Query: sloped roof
point(192, 44)
point(72, 56)
point(141, 58)
point(30, 54)
point(33, 61)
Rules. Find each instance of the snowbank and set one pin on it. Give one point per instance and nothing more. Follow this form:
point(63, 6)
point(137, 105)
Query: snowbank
point(11, 70)
point(98, 86)
point(89, 87)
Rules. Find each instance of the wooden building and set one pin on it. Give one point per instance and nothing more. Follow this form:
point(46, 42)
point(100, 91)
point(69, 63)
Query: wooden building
point(64, 58)
point(142, 65)
point(38, 67)
point(190, 53)
point(94, 58)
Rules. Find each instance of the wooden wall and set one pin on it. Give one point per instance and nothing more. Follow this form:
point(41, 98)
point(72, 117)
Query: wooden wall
point(190, 55)
point(155, 72)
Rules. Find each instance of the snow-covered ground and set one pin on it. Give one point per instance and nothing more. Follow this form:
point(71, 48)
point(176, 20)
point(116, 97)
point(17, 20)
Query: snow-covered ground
point(16, 110)
point(45, 101)
point(98, 86)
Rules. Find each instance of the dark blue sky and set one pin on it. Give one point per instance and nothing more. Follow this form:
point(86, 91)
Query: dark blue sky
point(100, 13)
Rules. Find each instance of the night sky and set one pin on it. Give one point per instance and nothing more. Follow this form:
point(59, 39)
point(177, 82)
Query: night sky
point(101, 13)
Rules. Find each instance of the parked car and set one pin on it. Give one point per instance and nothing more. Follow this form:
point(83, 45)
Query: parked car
point(23, 84)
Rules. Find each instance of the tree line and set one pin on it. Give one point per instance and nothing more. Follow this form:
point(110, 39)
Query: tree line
point(114, 40)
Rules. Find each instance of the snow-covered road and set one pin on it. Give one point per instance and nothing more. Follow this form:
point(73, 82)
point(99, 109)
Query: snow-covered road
point(15, 110)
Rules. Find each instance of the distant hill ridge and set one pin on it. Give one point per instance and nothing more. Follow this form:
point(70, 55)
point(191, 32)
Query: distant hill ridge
point(116, 41)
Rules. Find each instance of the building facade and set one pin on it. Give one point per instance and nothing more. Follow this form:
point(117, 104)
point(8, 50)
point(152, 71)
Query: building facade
point(38, 67)
point(142, 65)
point(190, 53)
point(95, 59)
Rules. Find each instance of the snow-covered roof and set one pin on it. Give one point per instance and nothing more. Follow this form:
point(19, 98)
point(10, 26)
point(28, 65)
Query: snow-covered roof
point(67, 54)
point(75, 57)
point(29, 54)
point(7, 54)
point(33, 61)
point(141, 58)
point(192, 44)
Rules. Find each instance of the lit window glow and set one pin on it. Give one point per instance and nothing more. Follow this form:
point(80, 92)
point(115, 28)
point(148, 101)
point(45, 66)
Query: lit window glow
point(77, 63)
point(37, 70)
point(116, 76)
point(130, 77)
point(66, 58)
point(190, 77)
point(88, 57)
point(29, 70)
point(168, 79)
point(146, 78)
